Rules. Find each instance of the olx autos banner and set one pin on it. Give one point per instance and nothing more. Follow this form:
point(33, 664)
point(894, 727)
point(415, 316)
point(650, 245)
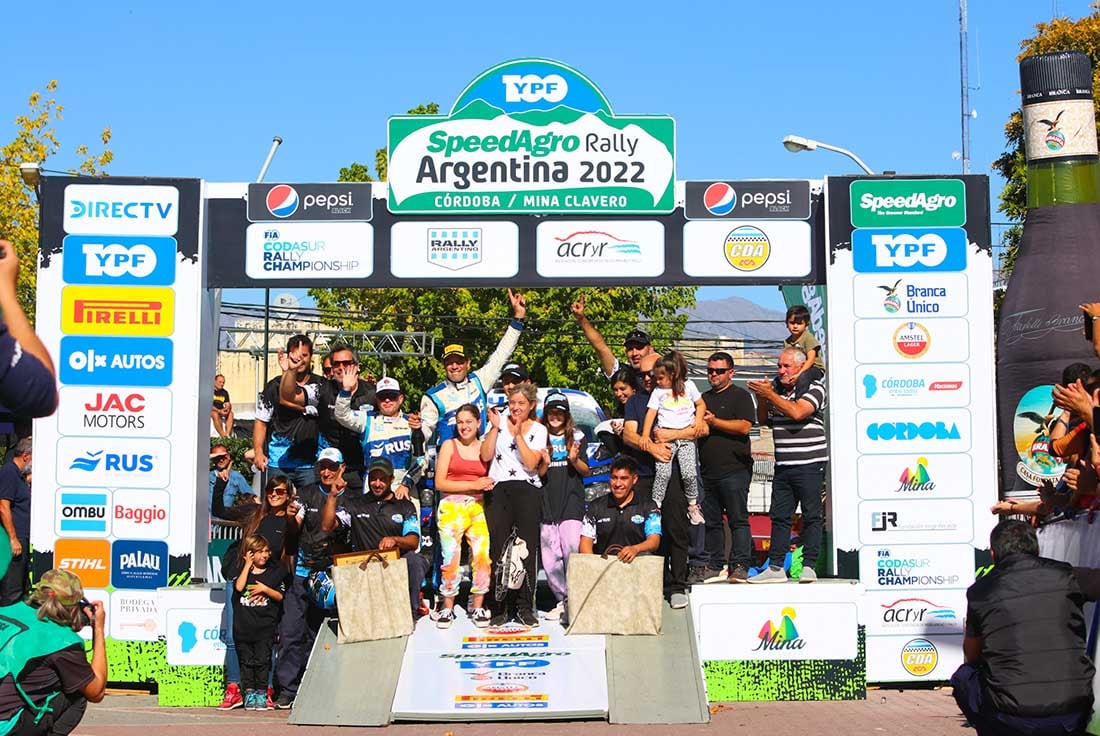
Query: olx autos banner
point(531, 135)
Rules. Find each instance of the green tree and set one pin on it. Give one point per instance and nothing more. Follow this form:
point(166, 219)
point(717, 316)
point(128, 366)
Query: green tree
point(36, 141)
point(552, 347)
point(1060, 34)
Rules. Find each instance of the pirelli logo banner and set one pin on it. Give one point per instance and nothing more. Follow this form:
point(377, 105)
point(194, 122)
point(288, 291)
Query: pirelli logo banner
point(105, 310)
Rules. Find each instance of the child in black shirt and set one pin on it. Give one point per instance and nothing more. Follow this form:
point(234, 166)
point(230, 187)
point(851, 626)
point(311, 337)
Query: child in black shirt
point(257, 599)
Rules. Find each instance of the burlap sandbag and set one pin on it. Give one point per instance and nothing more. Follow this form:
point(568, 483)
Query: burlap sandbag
point(607, 596)
point(373, 600)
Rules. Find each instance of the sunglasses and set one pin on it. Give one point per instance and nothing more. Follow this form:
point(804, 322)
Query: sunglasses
point(344, 363)
point(389, 397)
point(327, 465)
point(280, 491)
point(219, 458)
point(326, 369)
point(718, 370)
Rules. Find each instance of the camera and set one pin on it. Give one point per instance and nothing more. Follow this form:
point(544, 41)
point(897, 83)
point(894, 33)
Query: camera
point(82, 612)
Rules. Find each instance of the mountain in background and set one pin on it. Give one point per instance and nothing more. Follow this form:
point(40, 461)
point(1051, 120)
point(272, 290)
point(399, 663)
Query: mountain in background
point(735, 317)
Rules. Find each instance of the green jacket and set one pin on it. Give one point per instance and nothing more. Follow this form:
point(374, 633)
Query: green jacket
point(23, 637)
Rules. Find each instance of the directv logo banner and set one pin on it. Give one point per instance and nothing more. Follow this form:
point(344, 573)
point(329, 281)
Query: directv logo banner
point(932, 249)
point(119, 260)
point(313, 202)
point(121, 210)
point(116, 361)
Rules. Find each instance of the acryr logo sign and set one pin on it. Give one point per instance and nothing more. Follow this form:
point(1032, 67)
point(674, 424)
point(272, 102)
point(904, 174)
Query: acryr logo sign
point(110, 361)
point(106, 310)
point(145, 412)
point(908, 203)
point(118, 260)
point(593, 249)
point(88, 559)
point(910, 250)
point(92, 209)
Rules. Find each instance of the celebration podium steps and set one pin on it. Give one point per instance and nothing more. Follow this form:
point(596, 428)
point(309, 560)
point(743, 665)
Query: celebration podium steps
point(510, 673)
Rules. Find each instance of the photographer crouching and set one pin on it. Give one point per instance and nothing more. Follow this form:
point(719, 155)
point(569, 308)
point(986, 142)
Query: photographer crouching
point(46, 680)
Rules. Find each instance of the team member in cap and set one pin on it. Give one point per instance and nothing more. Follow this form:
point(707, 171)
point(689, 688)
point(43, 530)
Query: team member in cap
point(380, 520)
point(440, 403)
point(45, 678)
point(302, 616)
point(622, 518)
point(562, 495)
point(636, 344)
point(386, 433)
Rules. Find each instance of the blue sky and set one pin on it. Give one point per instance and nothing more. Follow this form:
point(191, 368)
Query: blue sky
point(199, 88)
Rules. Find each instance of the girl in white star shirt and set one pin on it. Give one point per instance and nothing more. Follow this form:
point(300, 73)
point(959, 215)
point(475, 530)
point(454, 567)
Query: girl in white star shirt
point(516, 499)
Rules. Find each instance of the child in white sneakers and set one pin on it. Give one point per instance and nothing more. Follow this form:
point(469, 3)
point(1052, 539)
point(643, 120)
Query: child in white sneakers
point(675, 404)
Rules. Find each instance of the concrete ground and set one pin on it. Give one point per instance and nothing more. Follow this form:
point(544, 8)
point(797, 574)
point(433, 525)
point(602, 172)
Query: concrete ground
point(918, 712)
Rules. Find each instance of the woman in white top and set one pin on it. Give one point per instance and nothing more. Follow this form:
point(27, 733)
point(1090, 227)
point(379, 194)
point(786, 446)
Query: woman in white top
point(516, 500)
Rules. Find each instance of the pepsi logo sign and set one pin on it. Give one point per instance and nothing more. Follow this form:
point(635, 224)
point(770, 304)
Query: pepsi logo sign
point(282, 200)
point(720, 199)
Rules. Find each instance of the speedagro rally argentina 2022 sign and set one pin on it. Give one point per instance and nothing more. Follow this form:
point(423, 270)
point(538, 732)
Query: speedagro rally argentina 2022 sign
point(531, 135)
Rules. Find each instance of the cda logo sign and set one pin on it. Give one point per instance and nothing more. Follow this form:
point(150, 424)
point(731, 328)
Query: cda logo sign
point(908, 202)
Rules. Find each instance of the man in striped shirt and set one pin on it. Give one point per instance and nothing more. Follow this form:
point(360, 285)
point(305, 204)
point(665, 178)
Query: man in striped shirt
point(796, 414)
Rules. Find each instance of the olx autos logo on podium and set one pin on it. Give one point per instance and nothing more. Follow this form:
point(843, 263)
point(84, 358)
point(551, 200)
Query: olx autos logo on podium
point(908, 203)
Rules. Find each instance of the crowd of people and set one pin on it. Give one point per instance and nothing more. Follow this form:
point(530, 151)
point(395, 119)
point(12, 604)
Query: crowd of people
point(347, 468)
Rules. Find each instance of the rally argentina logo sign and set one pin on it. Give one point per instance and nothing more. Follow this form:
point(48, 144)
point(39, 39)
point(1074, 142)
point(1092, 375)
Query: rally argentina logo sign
point(531, 136)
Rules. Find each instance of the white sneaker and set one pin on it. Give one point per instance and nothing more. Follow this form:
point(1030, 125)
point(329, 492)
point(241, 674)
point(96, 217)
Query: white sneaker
point(446, 618)
point(695, 514)
point(554, 614)
point(481, 617)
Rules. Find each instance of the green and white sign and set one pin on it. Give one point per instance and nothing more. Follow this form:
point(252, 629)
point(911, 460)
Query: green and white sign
point(908, 203)
point(531, 136)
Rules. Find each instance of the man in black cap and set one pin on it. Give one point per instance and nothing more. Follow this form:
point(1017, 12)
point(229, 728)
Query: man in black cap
point(636, 344)
point(379, 520)
point(513, 374)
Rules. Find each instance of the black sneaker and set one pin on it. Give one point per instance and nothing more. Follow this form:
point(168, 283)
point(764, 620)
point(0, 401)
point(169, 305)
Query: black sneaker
point(498, 619)
point(285, 702)
point(527, 617)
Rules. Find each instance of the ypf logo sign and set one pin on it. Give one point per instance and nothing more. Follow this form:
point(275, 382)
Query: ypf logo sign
point(897, 251)
point(533, 88)
point(125, 261)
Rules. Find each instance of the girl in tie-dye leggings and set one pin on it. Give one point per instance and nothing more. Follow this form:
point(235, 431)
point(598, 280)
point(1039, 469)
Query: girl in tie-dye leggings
point(462, 478)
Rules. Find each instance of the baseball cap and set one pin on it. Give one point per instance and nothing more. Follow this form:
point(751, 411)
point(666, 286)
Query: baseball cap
point(380, 463)
point(64, 584)
point(519, 370)
point(636, 337)
point(555, 400)
point(331, 454)
point(453, 349)
point(387, 385)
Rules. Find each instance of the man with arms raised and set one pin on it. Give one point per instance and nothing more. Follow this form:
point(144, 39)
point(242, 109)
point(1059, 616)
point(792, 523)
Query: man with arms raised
point(292, 446)
point(636, 345)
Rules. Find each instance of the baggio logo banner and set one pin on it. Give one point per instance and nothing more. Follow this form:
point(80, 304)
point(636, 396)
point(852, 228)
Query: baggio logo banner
point(117, 260)
point(111, 361)
point(316, 202)
point(897, 251)
point(126, 413)
point(140, 514)
point(130, 463)
point(121, 210)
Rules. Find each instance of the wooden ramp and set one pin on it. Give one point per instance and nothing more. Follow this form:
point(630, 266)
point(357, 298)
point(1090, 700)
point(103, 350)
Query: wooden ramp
point(657, 679)
point(348, 684)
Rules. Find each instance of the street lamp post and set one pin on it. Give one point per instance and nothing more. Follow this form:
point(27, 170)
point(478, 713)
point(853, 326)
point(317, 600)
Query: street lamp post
point(796, 143)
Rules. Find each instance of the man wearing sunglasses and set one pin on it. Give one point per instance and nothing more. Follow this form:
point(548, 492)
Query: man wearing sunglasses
point(221, 469)
point(726, 459)
point(384, 432)
point(342, 363)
